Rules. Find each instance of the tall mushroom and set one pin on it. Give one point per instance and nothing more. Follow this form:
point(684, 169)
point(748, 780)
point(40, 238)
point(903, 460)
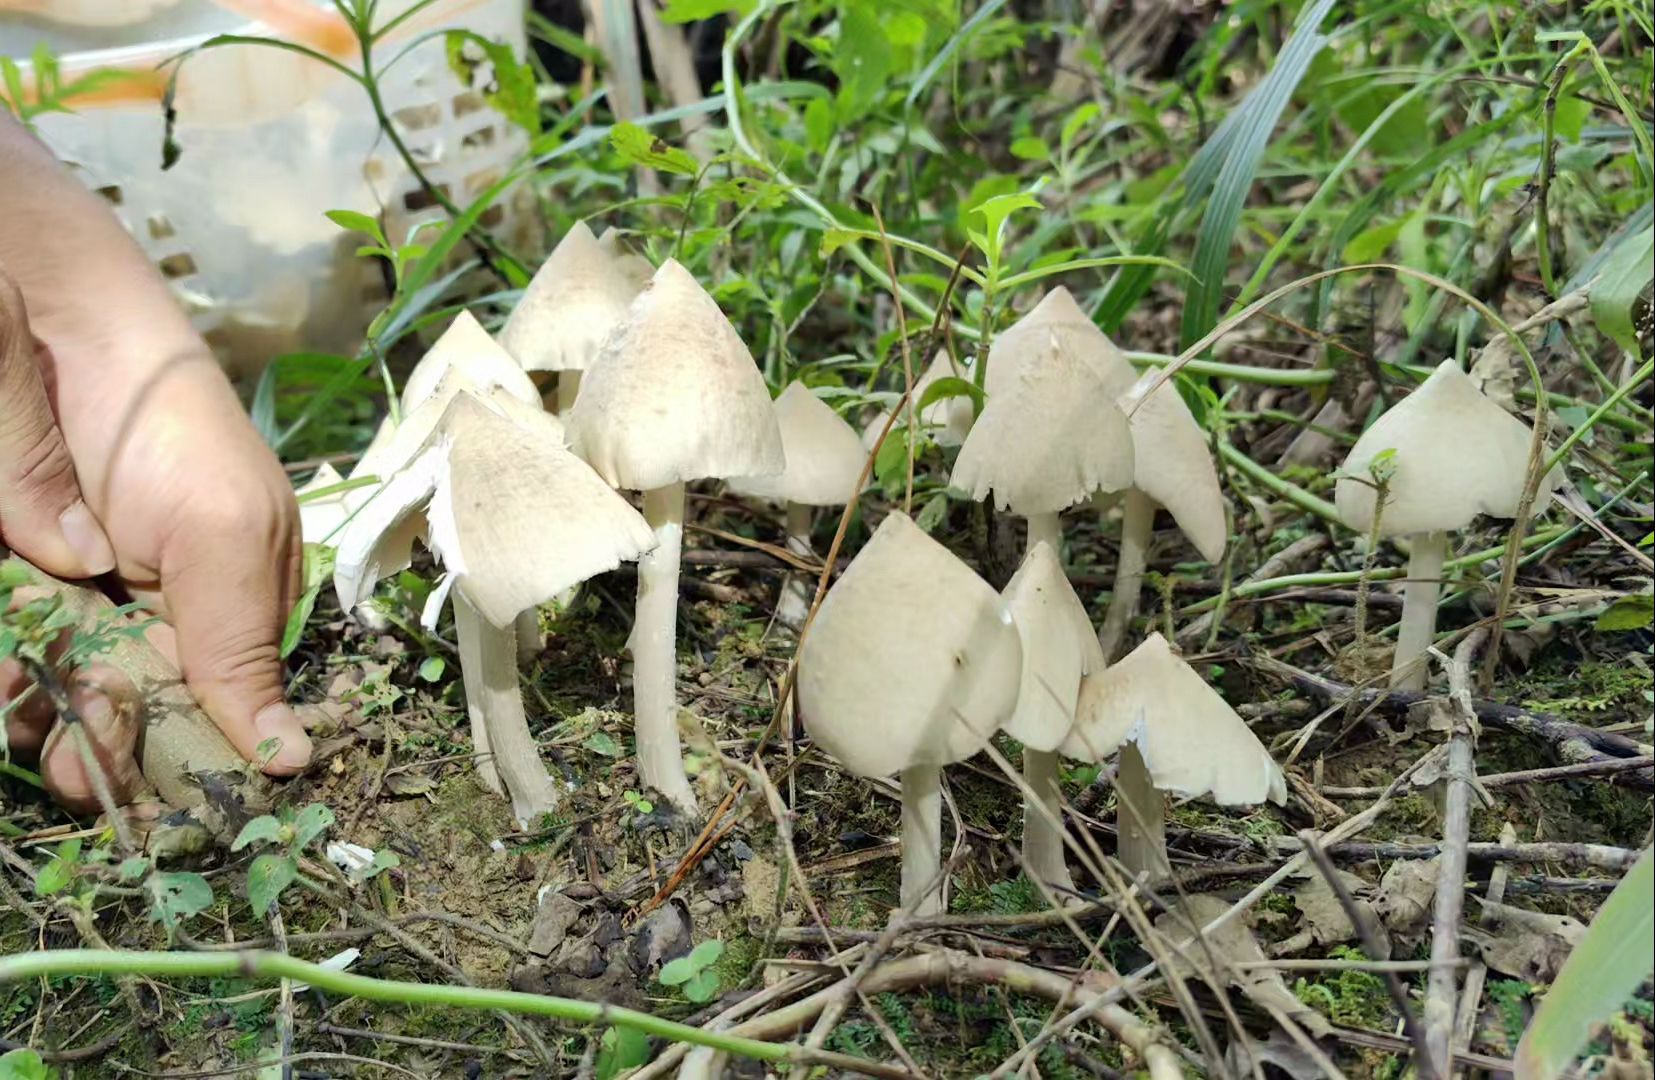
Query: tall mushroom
point(674, 396)
point(514, 518)
point(911, 663)
point(1175, 734)
point(1453, 454)
point(824, 463)
point(1059, 648)
point(577, 297)
point(1171, 468)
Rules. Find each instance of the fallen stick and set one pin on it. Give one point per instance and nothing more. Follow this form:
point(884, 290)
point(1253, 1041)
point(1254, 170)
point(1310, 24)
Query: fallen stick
point(1583, 770)
point(180, 750)
point(1595, 856)
point(1569, 742)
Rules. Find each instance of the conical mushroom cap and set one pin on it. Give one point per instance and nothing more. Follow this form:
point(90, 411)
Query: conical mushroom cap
point(467, 348)
point(824, 456)
point(576, 298)
point(378, 540)
point(949, 420)
point(912, 658)
point(1191, 741)
point(516, 518)
point(636, 269)
point(675, 395)
point(318, 518)
point(1457, 455)
point(1049, 437)
point(1057, 318)
point(1059, 646)
point(1171, 463)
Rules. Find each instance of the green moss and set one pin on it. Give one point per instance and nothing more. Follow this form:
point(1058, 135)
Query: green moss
point(1352, 998)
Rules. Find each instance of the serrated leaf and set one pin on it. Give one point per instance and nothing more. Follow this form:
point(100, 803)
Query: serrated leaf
point(1636, 612)
point(265, 828)
point(639, 147)
point(266, 878)
point(1607, 967)
point(178, 896)
point(1625, 273)
point(310, 823)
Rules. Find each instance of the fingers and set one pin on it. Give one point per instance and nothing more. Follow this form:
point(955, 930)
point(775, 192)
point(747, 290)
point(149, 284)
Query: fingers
point(228, 581)
point(107, 704)
point(42, 513)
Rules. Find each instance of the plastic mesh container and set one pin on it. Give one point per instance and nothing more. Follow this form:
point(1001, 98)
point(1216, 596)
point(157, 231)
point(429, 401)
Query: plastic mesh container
point(271, 140)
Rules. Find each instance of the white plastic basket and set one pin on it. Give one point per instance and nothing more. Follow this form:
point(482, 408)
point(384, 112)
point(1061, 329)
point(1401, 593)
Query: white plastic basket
point(271, 140)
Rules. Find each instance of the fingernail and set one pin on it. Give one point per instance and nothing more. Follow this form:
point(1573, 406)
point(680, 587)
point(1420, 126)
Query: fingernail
point(86, 538)
point(278, 722)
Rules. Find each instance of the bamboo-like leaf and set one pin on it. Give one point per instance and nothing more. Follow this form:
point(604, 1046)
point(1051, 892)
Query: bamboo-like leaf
point(1616, 956)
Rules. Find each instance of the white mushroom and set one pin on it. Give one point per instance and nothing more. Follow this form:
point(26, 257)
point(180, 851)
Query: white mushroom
point(1175, 734)
point(575, 300)
point(674, 396)
point(1171, 468)
point(1454, 454)
point(322, 509)
point(514, 518)
point(912, 663)
point(1059, 648)
point(948, 420)
point(824, 463)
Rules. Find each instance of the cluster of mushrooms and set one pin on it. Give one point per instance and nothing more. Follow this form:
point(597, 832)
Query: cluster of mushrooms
point(913, 661)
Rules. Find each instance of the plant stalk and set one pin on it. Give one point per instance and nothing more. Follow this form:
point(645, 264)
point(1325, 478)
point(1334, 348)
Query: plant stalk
point(921, 838)
point(494, 702)
point(527, 631)
point(1419, 610)
point(1140, 816)
point(654, 645)
point(1137, 522)
point(1045, 527)
point(1042, 822)
point(794, 602)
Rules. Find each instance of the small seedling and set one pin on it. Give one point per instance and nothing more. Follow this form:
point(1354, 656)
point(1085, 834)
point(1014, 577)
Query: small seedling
point(694, 975)
point(638, 802)
point(273, 871)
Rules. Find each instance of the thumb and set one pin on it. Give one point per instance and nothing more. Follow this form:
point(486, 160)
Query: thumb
point(226, 598)
point(42, 513)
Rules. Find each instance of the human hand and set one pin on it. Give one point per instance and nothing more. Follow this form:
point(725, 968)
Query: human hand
point(201, 525)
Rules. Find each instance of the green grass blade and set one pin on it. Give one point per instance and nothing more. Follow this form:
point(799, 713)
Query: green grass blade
point(1614, 958)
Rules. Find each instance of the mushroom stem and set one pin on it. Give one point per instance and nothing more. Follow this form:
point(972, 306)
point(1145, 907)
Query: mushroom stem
point(1042, 813)
point(1137, 521)
point(568, 388)
point(654, 651)
point(1045, 527)
point(1140, 815)
point(1419, 609)
point(794, 603)
point(921, 839)
point(527, 630)
point(494, 702)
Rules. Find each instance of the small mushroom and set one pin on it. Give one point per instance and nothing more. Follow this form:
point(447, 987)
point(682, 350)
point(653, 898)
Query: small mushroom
point(948, 420)
point(577, 297)
point(1454, 454)
point(466, 346)
point(514, 518)
point(1059, 648)
point(911, 663)
point(674, 396)
point(634, 267)
point(824, 463)
point(1175, 734)
point(1171, 467)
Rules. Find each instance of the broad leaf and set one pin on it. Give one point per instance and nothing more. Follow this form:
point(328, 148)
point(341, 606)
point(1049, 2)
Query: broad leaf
point(309, 824)
point(639, 147)
point(23, 1064)
point(178, 896)
point(1624, 276)
point(266, 878)
point(1635, 612)
point(621, 1050)
point(264, 828)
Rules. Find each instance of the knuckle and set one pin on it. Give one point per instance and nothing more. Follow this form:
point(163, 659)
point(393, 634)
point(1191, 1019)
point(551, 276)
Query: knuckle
point(238, 656)
point(39, 465)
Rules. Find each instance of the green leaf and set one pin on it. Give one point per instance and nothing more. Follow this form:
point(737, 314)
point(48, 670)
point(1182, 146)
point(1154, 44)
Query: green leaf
point(994, 211)
point(1570, 117)
point(310, 823)
point(639, 147)
point(264, 828)
point(266, 878)
point(603, 744)
point(1624, 276)
point(431, 668)
point(932, 513)
point(23, 1064)
point(1371, 243)
point(1635, 612)
point(352, 221)
point(1612, 960)
point(178, 896)
point(132, 868)
point(701, 988)
point(509, 87)
point(621, 1050)
point(818, 124)
point(862, 60)
point(949, 386)
point(1031, 148)
point(56, 875)
point(686, 11)
point(384, 859)
point(706, 953)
